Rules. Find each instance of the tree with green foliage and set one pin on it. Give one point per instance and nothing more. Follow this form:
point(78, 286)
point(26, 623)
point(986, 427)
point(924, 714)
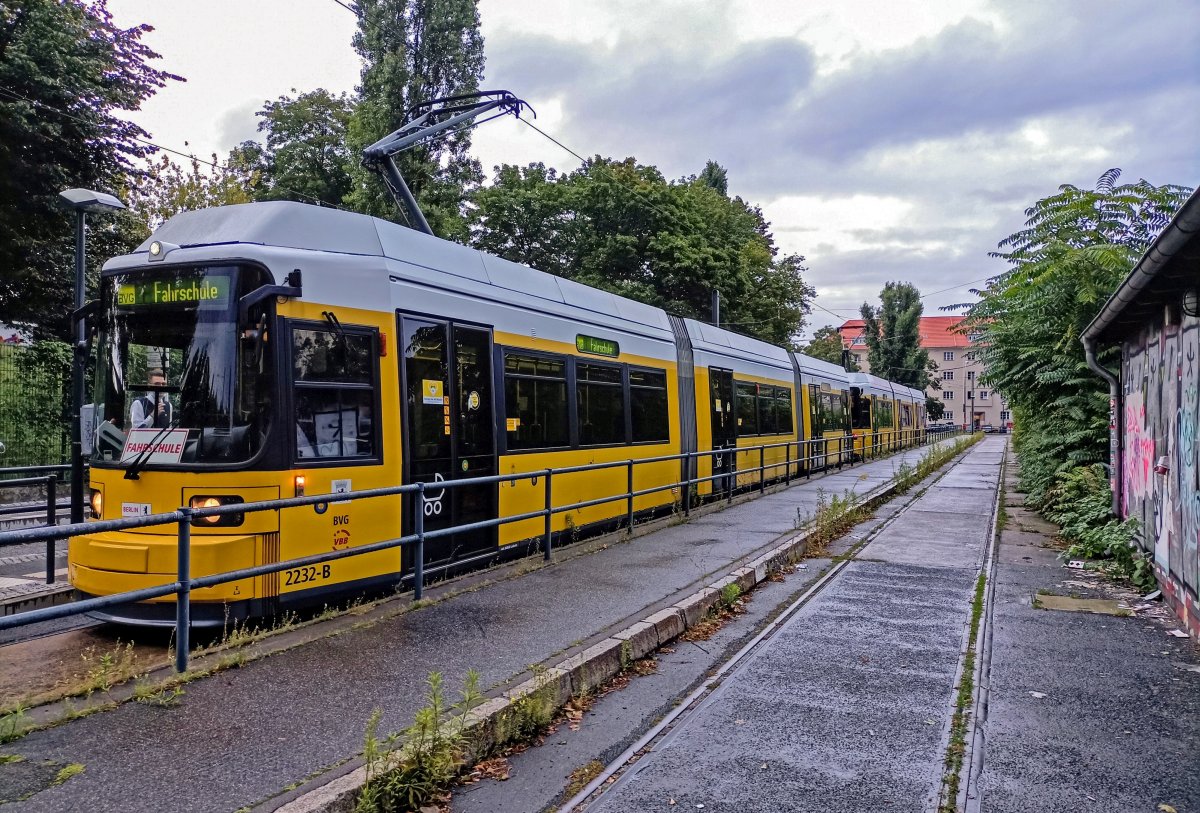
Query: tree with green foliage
point(621, 226)
point(826, 344)
point(413, 52)
point(1076, 248)
point(305, 157)
point(67, 74)
point(715, 177)
point(893, 335)
point(170, 188)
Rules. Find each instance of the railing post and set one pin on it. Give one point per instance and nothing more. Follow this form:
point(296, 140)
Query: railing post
point(687, 482)
point(731, 480)
point(183, 597)
point(787, 473)
point(419, 554)
point(762, 469)
point(629, 494)
point(548, 530)
point(51, 520)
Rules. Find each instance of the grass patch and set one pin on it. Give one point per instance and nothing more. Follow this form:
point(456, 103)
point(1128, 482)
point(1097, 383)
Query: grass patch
point(581, 776)
point(74, 769)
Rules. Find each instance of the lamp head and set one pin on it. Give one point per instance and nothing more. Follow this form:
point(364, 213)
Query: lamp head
point(88, 201)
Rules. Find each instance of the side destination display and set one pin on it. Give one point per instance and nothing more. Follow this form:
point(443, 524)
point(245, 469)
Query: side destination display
point(597, 347)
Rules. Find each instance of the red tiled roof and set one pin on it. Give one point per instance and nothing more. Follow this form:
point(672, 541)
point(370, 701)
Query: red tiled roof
point(936, 331)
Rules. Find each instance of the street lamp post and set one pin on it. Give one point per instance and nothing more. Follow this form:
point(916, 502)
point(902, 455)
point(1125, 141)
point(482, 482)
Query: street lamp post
point(81, 202)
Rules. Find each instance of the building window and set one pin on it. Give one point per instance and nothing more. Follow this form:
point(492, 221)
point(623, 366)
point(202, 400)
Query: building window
point(971, 356)
point(983, 395)
point(1005, 415)
point(970, 375)
point(948, 375)
point(948, 355)
point(948, 395)
point(648, 397)
point(857, 358)
point(858, 340)
point(535, 399)
point(970, 396)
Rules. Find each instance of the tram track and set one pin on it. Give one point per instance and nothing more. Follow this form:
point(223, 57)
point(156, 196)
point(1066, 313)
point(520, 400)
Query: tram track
point(625, 766)
point(24, 635)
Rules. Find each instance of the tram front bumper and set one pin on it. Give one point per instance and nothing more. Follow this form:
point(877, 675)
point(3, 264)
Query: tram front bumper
point(108, 563)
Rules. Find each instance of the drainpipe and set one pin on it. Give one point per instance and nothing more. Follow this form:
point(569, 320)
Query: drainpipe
point(1114, 421)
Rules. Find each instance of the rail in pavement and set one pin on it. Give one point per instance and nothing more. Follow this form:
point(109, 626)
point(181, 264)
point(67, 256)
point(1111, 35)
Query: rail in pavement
point(240, 737)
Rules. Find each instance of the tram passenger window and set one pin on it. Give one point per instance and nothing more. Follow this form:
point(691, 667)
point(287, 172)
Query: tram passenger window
point(747, 408)
point(860, 411)
point(535, 398)
point(648, 406)
point(600, 397)
point(766, 410)
point(334, 377)
point(783, 411)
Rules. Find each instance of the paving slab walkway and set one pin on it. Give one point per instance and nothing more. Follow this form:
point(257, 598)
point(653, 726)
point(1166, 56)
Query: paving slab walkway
point(242, 736)
point(847, 707)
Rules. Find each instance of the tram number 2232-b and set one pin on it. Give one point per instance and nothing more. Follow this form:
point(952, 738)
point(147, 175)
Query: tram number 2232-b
point(302, 575)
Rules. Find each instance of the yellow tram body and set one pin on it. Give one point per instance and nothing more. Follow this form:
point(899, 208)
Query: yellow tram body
point(263, 351)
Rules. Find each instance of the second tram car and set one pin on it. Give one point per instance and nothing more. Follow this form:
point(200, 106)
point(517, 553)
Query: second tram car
point(266, 350)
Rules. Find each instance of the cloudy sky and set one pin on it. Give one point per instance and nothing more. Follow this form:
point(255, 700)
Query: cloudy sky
point(884, 139)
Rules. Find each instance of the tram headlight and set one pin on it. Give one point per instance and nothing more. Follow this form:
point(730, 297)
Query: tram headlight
point(215, 501)
point(96, 501)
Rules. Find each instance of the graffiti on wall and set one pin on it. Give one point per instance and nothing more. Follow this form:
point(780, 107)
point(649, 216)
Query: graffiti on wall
point(1160, 411)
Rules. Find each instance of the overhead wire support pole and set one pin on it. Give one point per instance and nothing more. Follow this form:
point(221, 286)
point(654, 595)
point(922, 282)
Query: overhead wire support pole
point(427, 122)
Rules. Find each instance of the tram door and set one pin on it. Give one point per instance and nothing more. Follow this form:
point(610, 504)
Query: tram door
point(449, 431)
point(724, 426)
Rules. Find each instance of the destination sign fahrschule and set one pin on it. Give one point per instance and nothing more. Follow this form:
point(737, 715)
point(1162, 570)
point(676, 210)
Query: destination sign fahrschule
point(173, 291)
point(597, 347)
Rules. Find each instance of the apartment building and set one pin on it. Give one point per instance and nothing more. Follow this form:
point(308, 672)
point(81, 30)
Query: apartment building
point(967, 398)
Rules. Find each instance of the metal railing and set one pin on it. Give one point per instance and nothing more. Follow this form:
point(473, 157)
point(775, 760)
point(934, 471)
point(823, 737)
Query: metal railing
point(725, 483)
point(49, 482)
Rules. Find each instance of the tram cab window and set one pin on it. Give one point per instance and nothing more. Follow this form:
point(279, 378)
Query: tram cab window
point(535, 399)
point(648, 402)
point(335, 379)
point(600, 400)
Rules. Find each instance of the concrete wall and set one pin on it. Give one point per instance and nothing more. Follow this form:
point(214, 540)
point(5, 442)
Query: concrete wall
point(1160, 368)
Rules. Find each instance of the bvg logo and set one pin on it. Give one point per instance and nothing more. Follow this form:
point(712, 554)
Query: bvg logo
point(433, 504)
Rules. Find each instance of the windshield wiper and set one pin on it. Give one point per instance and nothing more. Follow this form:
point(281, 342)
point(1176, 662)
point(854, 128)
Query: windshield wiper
point(133, 470)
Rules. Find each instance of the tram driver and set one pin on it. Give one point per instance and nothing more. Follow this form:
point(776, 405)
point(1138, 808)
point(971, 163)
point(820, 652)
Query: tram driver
point(152, 410)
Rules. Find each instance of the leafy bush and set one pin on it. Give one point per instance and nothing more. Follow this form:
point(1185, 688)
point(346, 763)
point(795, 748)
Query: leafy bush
point(1079, 501)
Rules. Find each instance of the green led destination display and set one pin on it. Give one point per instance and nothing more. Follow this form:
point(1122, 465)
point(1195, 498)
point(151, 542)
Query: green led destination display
point(210, 289)
point(597, 347)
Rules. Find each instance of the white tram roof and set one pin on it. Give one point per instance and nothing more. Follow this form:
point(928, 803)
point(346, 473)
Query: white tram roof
point(300, 226)
point(820, 368)
point(873, 384)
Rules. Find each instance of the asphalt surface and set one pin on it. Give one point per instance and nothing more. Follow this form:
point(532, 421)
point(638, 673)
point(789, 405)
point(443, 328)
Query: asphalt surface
point(847, 706)
point(1086, 712)
point(240, 737)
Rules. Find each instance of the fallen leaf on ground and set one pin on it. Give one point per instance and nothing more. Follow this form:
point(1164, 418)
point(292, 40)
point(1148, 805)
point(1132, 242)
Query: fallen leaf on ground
point(1163, 807)
point(1177, 633)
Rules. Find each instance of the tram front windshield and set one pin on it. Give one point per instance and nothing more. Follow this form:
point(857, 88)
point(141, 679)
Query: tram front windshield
point(178, 382)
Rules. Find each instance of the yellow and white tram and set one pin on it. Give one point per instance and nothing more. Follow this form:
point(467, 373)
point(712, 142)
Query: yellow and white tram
point(260, 351)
